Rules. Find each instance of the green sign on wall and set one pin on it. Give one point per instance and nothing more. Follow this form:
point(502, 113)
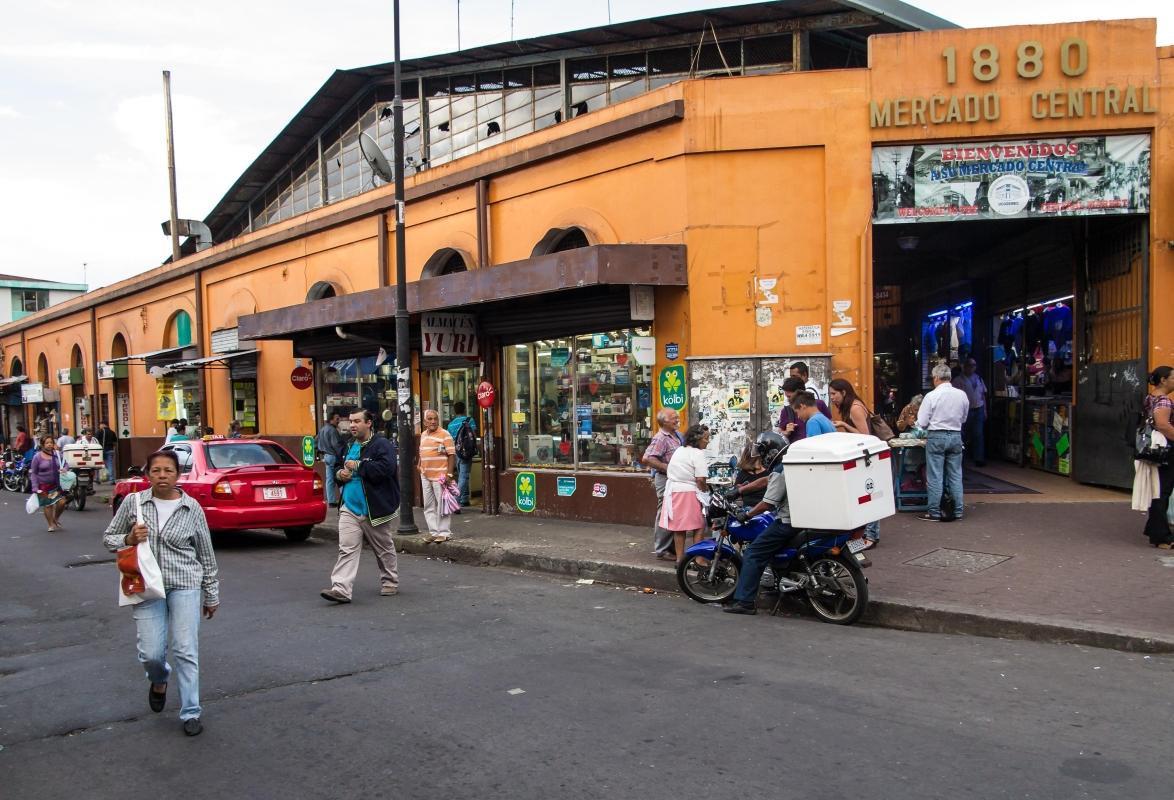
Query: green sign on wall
point(308, 450)
point(526, 494)
point(671, 384)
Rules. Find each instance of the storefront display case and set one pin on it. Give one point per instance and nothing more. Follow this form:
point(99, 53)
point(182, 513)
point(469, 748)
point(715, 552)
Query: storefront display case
point(946, 335)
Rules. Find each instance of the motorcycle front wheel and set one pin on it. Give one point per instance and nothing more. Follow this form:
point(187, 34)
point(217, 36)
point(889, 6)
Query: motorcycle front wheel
point(840, 591)
point(79, 499)
point(13, 482)
point(693, 578)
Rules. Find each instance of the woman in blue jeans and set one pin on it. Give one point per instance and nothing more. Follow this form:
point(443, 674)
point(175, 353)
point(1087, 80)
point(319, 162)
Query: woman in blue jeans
point(177, 532)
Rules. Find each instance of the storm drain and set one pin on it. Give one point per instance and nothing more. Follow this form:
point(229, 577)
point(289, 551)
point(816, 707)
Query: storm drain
point(958, 560)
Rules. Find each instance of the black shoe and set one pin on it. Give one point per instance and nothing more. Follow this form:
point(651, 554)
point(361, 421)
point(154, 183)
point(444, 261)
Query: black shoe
point(740, 608)
point(930, 517)
point(193, 727)
point(156, 700)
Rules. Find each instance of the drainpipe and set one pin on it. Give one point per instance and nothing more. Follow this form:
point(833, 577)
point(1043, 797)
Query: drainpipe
point(93, 371)
point(205, 409)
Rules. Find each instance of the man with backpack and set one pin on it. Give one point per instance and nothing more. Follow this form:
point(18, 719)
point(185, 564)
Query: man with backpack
point(463, 430)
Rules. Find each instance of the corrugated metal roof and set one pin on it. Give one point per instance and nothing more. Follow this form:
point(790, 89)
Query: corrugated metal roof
point(341, 88)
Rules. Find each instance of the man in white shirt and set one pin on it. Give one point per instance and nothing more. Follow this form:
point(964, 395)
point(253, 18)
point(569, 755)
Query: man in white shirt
point(942, 414)
point(976, 420)
point(64, 438)
point(800, 370)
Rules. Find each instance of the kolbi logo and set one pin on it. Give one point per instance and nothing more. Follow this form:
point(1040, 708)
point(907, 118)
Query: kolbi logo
point(672, 387)
point(525, 493)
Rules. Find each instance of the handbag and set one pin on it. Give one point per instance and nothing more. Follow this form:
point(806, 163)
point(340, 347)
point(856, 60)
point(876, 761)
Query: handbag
point(1150, 444)
point(139, 575)
point(879, 428)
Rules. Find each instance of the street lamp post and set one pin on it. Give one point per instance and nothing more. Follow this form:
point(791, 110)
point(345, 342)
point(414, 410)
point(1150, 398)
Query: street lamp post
point(403, 348)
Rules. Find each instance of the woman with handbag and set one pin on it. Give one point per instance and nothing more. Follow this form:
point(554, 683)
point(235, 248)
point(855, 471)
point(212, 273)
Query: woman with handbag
point(45, 476)
point(850, 415)
point(177, 531)
point(1160, 408)
point(682, 511)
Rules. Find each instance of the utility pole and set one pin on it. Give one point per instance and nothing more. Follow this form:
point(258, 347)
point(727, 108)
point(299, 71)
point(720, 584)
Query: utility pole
point(171, 167)
point(403, 347)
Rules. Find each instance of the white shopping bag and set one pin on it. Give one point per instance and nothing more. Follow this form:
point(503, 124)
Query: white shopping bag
point(32, 505)
point(148, 568)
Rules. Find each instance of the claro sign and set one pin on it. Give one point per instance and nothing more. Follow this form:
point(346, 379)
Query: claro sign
point(449, 335)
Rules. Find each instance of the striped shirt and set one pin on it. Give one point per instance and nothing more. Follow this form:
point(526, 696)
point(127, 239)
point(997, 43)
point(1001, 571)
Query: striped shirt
point(433, 461)
point(183, 548)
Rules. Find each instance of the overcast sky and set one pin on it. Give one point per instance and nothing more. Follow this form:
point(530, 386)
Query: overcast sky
point(83, 175)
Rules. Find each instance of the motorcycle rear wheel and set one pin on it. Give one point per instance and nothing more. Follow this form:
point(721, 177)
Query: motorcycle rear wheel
point(13, 483)
point(693, 578)
point(841, 592)
point(79, 500)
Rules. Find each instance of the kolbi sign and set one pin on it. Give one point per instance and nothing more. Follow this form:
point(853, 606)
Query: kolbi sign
point(449, 335)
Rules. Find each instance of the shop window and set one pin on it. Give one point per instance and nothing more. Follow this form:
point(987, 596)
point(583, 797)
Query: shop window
point(244, 404)
point(580, 402)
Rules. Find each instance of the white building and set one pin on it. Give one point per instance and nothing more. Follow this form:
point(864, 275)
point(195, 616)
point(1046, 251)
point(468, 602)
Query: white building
point(20, 296)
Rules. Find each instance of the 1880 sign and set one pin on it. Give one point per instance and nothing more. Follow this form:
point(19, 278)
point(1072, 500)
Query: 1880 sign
point(449, 335)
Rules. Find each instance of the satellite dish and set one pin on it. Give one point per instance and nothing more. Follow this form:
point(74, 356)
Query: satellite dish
point(375, 157)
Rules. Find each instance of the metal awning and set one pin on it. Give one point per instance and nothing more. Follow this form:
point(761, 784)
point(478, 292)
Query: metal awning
point(152, 355)
point(15, 379)
point(199, 362)
point(507, 298)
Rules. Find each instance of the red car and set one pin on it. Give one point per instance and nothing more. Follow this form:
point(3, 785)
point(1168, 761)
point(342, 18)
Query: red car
point(244, 484)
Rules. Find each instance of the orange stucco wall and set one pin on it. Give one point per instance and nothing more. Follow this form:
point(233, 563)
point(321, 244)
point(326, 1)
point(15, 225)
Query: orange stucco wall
point(765, 178)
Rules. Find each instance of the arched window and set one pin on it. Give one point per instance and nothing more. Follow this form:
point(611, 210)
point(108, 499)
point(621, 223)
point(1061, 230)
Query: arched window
point(557, 240)
point(17, 368)
point(118, 347)
point(42, 369)
point(179, 330)
point(76, 360)
point(321, 290)
point(445, 261)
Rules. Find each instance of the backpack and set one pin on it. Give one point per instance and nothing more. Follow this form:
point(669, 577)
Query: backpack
point(466, 442)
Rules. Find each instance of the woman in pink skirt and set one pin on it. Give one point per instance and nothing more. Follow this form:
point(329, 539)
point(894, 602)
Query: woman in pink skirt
point(685, 485)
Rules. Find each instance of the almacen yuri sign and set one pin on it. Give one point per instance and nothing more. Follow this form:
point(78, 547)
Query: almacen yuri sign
point(1029, 61)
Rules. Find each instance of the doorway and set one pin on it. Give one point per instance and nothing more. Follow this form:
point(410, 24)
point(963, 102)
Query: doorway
point(450, 386)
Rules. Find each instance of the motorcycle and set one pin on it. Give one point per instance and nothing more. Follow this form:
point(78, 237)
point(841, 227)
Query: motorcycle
point(821, 566)
point(15, 476)
point(82, 488)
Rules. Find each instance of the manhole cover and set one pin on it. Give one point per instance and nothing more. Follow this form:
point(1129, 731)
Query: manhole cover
point(959, 560)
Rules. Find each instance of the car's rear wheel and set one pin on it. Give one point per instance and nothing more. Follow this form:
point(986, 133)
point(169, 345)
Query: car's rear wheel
point(298, 534)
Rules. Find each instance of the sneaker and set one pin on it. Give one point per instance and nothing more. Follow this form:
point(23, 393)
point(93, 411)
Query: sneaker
point(389, 591)
point(930, 517)
point(193, 727)
point(740, 608)
point(334, 596)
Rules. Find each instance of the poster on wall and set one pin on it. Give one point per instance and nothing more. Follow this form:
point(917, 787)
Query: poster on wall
point(122, 414)
point(1052, 177)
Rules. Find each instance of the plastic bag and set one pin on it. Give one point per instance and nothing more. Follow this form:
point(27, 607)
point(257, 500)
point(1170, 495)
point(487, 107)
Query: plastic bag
point(450, 498)
point(32, 505)
point(139, 575)
point(67, 481)
point(1170, 511)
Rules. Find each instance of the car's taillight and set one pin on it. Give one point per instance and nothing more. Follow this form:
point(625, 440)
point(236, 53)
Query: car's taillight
point(318, 485)
point(222, 489)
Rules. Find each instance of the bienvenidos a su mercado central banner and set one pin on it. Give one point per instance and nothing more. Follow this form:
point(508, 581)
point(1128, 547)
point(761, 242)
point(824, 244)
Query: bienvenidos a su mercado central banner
point(1080, 176)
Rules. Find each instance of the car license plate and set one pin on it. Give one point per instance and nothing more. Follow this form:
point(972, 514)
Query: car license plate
point(857, 545)
point(273, 492)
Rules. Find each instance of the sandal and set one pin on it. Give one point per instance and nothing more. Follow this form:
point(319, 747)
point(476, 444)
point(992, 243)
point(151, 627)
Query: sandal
point(1165, 545)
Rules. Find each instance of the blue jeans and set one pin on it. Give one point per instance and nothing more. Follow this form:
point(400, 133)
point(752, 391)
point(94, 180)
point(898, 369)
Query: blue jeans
point(173, 620)
point(757, 557)
point(943, 452)
point(108, 461)
point(975, 434)
point(463, 467)
point(331, 482)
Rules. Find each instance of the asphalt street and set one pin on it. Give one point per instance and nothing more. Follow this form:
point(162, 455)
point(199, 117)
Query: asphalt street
point(486, 683)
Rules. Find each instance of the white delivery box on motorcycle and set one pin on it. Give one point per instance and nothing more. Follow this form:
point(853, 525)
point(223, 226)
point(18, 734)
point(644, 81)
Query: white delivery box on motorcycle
point(83, 456)
point(839, 481)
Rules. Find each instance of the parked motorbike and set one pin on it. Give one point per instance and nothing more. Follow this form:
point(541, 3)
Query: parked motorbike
point(82, 488)
point(821, 566)
point(15, 476)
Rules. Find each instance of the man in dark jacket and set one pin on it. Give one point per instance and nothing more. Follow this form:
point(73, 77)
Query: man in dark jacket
point(109, 440)
point(370, 500)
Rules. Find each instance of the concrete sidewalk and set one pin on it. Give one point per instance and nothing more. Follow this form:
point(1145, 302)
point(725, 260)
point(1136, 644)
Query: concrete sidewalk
point(1059, 572)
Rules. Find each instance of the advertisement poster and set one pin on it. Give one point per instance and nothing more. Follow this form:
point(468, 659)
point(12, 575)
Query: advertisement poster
point(1079, 176)
point(164, 401)
point(525, 494)
point(122, 409)
point(672, 387)
point(738, 401)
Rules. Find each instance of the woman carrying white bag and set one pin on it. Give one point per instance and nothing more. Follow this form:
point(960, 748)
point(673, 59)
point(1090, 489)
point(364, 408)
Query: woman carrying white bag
point(174, 527)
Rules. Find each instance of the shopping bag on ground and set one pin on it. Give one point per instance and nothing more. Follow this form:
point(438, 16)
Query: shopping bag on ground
point(32, 504)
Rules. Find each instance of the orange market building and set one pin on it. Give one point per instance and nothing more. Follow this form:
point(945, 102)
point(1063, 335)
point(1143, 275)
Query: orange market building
point(610, 221)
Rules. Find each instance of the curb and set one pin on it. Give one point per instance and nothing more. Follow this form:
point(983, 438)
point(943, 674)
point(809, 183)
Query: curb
point(896, 614)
